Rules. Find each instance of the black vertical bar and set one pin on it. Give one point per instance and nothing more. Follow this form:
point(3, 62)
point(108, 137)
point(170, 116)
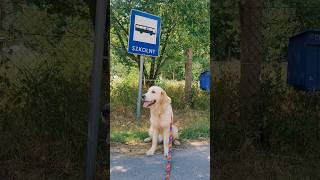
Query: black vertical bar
point(94, 113)
point(212, 59)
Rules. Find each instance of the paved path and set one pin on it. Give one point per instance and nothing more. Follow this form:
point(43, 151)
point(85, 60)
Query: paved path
point(187, 164)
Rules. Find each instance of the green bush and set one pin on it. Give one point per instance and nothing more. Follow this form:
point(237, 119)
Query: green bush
point(124, 93)
point(290, 117)
point(44, 118)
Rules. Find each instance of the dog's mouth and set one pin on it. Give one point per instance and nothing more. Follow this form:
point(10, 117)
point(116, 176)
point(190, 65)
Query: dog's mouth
point(147, 104)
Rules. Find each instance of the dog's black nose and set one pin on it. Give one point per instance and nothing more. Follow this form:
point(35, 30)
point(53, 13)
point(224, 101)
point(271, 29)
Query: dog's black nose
point(143, 96)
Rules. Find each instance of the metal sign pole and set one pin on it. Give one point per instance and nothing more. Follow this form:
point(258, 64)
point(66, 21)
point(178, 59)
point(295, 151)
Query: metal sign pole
point(144, 40)
point(138, 117)
point(94, 114)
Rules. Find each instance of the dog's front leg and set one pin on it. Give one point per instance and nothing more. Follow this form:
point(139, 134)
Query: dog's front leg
point(154, 142)
point(165, 143)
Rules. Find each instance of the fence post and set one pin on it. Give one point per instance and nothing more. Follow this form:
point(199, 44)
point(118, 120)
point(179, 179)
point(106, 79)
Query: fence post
point(94, 114)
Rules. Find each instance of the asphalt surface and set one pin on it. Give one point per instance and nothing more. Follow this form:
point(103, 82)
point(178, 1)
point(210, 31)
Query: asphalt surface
point(187, 164)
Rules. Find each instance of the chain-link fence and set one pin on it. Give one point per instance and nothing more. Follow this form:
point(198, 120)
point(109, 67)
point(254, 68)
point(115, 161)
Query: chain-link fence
point(255, 110)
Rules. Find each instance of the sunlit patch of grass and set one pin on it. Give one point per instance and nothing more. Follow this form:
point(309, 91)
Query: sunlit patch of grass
point(195, 132)
point(128, 137)
point(197, 125)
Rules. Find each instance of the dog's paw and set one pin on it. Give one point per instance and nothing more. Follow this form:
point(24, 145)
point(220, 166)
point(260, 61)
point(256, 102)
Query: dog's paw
point(165, 153)
point(148, 139)
point(176, 142)
point(150, 152)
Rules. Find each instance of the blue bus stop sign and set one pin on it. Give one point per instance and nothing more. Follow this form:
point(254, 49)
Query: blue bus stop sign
point(144, 34)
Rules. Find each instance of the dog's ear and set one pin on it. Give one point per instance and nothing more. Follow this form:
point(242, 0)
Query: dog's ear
point(164, 101)
point(164, 98)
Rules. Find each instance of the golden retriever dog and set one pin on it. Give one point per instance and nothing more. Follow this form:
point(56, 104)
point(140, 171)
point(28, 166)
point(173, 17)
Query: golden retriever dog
point(159, 103)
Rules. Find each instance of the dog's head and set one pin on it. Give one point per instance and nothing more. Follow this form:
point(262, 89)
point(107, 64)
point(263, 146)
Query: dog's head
point(155, 97)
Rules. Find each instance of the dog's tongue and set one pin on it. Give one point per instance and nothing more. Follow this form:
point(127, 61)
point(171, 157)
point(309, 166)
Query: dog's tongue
point(146, 103)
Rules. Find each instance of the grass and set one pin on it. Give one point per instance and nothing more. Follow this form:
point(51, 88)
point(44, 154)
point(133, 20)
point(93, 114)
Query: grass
point(193, 124)
point(290, 146)
point(128, 137)
point(264, 166)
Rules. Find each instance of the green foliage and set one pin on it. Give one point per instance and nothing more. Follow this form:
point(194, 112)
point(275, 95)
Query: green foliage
point(184, 25)
point(4, 79)
point(44, 106)
point(175, 68)
point(45, 118)
point(226, 110)
point(280, 21)
point(124, 94)
point(60, 10)
point(226, 29)
point(124, 91)
point(289, 117)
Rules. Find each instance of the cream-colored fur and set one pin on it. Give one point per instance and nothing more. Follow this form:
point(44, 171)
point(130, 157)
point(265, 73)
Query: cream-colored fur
point(159, 103)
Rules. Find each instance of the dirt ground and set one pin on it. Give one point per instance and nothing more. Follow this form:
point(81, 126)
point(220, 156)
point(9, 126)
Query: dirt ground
point(141, 148)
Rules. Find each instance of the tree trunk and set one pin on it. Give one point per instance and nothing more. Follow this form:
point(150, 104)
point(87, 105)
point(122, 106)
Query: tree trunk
point(188, 76)
point(152, 76)
point(251, 58)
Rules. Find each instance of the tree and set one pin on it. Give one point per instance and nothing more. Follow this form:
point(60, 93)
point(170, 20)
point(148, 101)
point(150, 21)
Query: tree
point(183, 26)
point(251, 58)
point(188, 70)
point(225, 27)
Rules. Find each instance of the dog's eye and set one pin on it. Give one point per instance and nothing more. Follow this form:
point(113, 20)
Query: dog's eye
point(153, 92)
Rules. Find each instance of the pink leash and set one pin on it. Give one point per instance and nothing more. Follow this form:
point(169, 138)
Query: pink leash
point(169, 158)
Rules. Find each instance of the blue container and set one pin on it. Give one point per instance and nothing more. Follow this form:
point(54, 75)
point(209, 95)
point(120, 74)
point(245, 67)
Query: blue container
point(303, 70)
point(205, 80)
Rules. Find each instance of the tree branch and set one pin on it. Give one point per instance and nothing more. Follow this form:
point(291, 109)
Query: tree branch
point(131, 56)
point(163, 50)
point(145, 72)
point(119, 24)
point(151, 73)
